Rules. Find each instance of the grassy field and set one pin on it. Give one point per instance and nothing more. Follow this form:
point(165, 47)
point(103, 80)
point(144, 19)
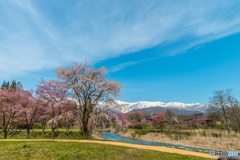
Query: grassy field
point(74, 150)
point(59, 129)
point(37, 134)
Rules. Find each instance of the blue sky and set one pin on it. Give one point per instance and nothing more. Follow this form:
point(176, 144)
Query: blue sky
point(162, 51)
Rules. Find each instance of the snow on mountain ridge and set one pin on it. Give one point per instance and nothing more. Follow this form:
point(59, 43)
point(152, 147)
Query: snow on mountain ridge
point(176, 105)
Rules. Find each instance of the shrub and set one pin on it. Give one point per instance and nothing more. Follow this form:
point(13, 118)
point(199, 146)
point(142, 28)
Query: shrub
point(37, 126)
point(26, 146)
point(133, 135)
point(27, 154)
point(139, 134)
point(114, 126)
point(138, 125)
point(146, 126)
point(203, 134)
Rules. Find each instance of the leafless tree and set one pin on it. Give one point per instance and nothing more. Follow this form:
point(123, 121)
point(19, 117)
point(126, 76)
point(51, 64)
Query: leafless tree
point(220, 99)
point(170, 115)
point(234, 110)
point(235, 116)
point(215, 114)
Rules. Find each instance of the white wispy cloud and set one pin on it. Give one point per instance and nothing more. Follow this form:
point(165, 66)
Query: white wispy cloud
point(35, 36)
point(123, 65)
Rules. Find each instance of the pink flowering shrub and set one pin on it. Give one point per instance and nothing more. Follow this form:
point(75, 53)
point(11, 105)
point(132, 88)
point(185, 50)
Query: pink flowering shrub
point(130, 125)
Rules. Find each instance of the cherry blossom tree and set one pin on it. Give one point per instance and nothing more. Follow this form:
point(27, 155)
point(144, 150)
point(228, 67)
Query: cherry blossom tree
point(9, 108)
point(78, 119)
point(31, 109)
point(123, 116)
point(68, 117)
point(146, 123)
point(43, 121)
point(91, 123)
point(130, 125)
point(89, 87)
point(102, 118)
point(55, 96)
point(44, 111)
point(158, 120)
point(136, 115)
point(118, 123)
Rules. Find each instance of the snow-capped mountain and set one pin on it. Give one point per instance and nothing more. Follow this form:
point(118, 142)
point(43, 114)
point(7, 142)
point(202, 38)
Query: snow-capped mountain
point(174, 105)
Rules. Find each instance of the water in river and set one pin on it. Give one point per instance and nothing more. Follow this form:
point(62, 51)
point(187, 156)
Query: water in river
point(113, 137)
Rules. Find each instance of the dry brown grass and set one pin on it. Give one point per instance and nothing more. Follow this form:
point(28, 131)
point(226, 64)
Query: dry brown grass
point(229, 143)
point(211, 131)
point(223, 143)
point(96, 135)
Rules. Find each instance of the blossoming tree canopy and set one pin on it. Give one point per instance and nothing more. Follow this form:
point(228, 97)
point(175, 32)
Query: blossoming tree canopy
point(31, 109)
point(89, 87)
point(55, 97)
point(123, 116)
point(136, 115)
point(158, 120)
point(67, 118)
point(9, 108)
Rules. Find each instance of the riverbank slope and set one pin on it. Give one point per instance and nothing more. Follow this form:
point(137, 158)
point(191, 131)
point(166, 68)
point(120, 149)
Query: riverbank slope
point(223, 143)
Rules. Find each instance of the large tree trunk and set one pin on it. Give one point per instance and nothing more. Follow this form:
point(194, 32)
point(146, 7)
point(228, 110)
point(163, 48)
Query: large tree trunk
point(85, 125)
point(67, 130)
point(5, 133)
point(12, 132)
point(85, 129)
point(28, 132)
point(43, 127)
point(53, 132)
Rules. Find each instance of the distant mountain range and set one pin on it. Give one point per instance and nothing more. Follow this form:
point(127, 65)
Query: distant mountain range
point(156, 107)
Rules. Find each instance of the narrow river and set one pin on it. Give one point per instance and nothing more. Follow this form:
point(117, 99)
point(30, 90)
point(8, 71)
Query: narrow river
point(113, 137)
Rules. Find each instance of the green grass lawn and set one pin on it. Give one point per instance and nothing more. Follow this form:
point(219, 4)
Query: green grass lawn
point(39, 135)
point(59, 129)
point(48, 130)
point(74, 150)
point(73, 134)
